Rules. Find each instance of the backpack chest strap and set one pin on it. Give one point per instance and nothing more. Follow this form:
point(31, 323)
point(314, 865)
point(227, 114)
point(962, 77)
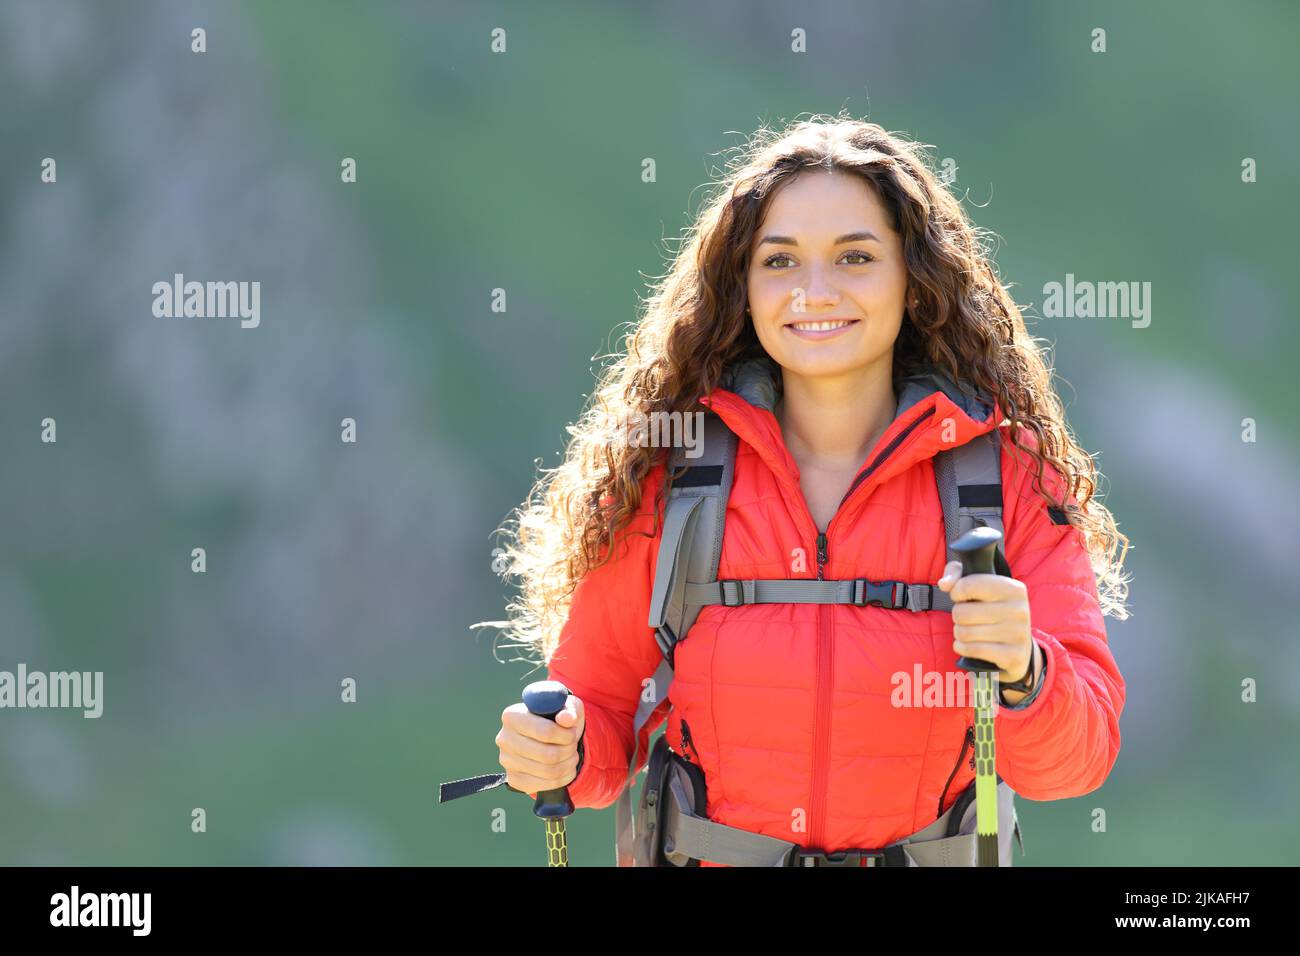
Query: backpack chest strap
point(860, 592)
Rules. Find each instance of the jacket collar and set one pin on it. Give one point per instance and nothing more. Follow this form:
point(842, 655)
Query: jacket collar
point(927, 402)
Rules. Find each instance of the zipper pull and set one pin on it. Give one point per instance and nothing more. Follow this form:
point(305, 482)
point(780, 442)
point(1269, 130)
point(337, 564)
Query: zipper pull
point(821, 554)
point(686, 737)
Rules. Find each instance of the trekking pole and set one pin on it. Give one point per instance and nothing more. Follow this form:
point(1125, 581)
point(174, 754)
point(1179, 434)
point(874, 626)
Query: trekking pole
point(976, 548)
point(546, 698)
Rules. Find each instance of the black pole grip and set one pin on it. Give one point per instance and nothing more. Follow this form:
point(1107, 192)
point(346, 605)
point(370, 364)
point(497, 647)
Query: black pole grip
point(546, 698)
point(976, 549)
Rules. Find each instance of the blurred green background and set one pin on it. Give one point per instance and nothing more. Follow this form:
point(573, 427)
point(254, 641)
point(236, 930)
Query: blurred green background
point(521, 171)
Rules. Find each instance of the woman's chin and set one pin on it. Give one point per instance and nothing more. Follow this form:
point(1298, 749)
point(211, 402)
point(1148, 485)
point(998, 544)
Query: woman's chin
point(827, 365)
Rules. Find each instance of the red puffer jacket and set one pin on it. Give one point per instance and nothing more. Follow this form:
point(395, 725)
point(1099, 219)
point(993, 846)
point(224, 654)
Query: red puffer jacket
point(788, 706)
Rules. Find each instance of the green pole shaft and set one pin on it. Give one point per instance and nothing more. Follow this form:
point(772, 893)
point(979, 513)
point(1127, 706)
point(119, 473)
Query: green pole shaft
point(986, 786)
point(976, 549)
point(557, 843)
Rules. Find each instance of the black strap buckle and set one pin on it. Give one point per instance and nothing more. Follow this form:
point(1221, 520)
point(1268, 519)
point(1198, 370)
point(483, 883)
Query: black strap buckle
point(803, 857)
point(736, 593)
point(887, 594)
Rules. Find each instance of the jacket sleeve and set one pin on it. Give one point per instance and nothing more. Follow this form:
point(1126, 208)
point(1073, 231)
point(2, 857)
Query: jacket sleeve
point(1062, 741)
point(607, 650)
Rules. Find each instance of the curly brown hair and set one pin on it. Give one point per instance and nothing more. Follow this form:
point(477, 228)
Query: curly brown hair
point(693, 327)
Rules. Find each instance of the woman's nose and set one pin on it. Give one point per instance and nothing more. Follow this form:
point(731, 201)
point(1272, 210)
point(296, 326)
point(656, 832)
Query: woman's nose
point(820, 292)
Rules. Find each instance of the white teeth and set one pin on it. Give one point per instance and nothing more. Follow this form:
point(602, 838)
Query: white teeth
point(819, 326)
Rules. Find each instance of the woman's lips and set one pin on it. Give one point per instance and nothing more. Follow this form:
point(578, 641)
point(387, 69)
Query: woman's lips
point(810, 333)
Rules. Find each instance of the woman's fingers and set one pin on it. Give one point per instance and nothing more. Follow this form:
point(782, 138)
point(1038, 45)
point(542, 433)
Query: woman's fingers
point(950, 576)
point(1008, 658)
point(986, 587)
point(540, 753)
point(531, 776)
point(969, 613)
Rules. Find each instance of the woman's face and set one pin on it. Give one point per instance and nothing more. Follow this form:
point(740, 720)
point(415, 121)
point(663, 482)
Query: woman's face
point(825, 252)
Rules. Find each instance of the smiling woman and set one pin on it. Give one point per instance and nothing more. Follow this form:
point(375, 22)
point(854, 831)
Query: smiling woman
point(837, 314)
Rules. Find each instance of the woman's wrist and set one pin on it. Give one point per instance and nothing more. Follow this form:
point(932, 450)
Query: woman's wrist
point(1033, 678)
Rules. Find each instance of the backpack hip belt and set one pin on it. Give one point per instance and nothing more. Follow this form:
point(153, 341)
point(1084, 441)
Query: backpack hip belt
point(675, 832)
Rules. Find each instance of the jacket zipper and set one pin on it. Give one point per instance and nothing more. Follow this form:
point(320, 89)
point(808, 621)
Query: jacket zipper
point(826, 649)
point(825, 645)
point(822, 732)
point(968, 742)
point(884, 453)
point(825, 686)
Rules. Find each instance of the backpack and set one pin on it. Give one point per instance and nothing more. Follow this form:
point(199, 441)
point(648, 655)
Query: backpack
point(686, 580)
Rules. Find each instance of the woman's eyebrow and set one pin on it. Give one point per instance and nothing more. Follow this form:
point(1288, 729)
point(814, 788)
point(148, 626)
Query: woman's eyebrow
point(866, 235)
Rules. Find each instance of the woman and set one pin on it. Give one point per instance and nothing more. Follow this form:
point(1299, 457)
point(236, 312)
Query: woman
point(833, 258)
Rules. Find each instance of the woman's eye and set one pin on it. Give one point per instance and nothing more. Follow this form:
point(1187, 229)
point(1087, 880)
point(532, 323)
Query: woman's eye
point(772, 259)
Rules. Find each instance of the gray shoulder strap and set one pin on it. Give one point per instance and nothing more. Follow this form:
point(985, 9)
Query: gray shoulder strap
point(689, 551)
point(691, 545)
point(970, 491)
